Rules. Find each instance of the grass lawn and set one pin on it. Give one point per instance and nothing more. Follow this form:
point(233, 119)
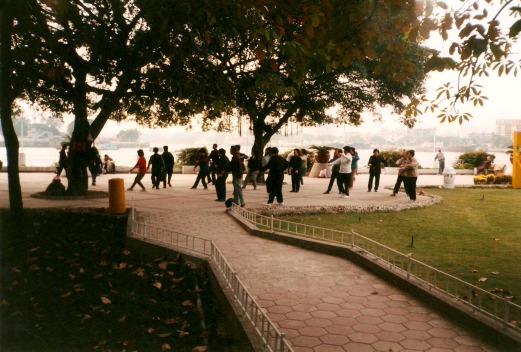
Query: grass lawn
point(473, 233)
point(69, 284)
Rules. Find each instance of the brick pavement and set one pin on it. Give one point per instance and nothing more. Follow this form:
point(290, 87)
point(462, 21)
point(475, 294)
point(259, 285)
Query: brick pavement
point(322, 303)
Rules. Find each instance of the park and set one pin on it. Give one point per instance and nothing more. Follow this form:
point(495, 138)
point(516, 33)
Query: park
point(384, 274)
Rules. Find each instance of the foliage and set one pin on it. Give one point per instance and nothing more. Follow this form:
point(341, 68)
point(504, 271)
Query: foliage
point(189, 156)
point(118, 298)
point(463, 166)
point(322, 148)
point(478, 46)
point(131, 135)
point(390, 157)
point(492, 179)
point(475, 158)
point(291, 63)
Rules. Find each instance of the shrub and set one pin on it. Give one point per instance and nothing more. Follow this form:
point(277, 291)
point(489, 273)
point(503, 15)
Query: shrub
point(475, 158)
point(492, 179)
point(463, 166)
point(188, 156)
point(390, 157)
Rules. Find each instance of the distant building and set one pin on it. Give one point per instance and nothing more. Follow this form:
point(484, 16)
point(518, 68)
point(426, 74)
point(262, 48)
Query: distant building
point(505, 128)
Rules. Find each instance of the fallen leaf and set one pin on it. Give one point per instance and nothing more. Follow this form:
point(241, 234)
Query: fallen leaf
point(85, 317)
point(66, 294)
point(474, 270)
point(150, 330)
point(183, 333)
point(482, 279)
point(199, 349)
point(177, 280)
point(97, 276)
point(157, 284)
point(140, 272)
point(126, 252)
point(497, 239)
point(495, 273)
point(105, 300)
point(165, 347)
point(163, 265)
point(122, 319)
point(175, 320)
point(164, 335)
point(187, 303)
point(120, 266)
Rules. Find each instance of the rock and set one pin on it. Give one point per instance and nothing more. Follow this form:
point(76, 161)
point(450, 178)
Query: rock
point(56, 188)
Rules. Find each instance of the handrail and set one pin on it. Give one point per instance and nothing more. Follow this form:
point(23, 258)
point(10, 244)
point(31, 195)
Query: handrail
point(272, 338)
point(502, 309)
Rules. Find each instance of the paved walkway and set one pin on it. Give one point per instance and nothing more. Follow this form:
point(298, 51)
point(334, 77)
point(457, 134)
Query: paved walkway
point(321, 302)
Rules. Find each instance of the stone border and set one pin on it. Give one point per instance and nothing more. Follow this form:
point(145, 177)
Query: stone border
point(90, 195)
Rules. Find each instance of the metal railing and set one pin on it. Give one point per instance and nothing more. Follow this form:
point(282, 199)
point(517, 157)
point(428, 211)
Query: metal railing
point(497, 307)
point(272, 338)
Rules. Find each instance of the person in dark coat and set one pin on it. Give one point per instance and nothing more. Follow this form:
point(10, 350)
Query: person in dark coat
point(221, 173)
point(158, 165)
point(252, 170)
point(214, 160)
point(277, 166)
point(168, 159)
point(375, 169)
point(94, 164)
point(63, 162)
point(295, 166)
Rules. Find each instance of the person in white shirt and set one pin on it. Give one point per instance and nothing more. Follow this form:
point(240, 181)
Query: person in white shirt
point(344, 173)
point(441, 160)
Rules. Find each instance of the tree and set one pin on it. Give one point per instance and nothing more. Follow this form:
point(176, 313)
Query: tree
point(9, 91)
point(92, 56)
point(482, 37)
point(129, 135)
point(297, 60)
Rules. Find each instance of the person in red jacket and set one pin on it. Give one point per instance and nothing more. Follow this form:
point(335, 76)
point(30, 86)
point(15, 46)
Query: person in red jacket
point(141, 165)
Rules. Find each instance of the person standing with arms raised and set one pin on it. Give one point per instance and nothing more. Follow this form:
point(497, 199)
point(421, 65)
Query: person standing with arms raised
point(344, 172)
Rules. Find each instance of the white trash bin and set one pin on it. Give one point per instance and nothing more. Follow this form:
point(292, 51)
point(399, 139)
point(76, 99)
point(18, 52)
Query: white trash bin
point(449, 176)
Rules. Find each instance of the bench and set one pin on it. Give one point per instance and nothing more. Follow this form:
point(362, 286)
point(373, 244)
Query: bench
point(495, 169)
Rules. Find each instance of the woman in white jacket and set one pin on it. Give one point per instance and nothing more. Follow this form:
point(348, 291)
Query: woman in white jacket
point(344, 174)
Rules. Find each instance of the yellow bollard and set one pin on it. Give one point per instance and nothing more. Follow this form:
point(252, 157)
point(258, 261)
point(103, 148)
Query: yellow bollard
point(117, 196)
point(516, 161)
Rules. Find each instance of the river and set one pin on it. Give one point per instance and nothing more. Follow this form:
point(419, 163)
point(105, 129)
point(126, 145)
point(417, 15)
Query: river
point(128, 156)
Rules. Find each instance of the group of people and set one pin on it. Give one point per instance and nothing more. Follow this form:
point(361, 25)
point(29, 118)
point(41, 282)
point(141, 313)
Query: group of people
point(162, 168)
point(344, 170)
point(95, 165)
point(297, 167)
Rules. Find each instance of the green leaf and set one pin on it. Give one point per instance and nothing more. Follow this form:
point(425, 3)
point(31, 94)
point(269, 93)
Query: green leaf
point(515, 29)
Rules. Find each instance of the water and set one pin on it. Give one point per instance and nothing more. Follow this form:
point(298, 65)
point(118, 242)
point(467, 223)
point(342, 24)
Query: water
point(46, 157)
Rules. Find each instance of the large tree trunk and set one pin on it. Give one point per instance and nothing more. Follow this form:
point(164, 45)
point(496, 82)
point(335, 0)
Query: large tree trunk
point(78, 150)
point(6, 101)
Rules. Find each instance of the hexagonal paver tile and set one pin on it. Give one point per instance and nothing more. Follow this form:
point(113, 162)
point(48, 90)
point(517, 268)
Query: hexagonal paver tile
point(466, 340)
point(393, 327)
point(441, 342)
point(416, 335)
point(319, 322)
point(298, 316)
point(365, 319)
point(398, 297)
point(396, 311)
point(440, 332)
point(386, 346)
point(391, 318)
point(328, 348)
point(333, 300)
point(350, 313)
point(468, 349)
point(415, 345)
point(340, 330)
point(292, 324)
point(323, 314)
point(390, 336)
point(366, 328)
point(286, 302)
point(417, 325)
point(312, 331)
point(362, 338)
point(328, 306)
point(352, 305)
point(375, 305)
point(418, 317)
point(358, 347)
point(306, 341)
point(372, 312)
point(334, 339)
point(274, 317)
point(304, 308)
point(279, 309)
